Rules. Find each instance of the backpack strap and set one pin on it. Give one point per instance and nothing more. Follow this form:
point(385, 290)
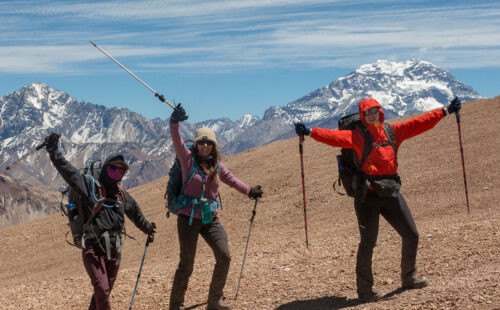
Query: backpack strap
point(122, 193)
point(191, 174)
point(389, 132)
point(367, 147)
point(368, 139)
point(109, 237)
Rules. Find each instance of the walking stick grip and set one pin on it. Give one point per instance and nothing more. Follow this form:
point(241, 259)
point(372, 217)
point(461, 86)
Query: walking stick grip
point(41, 145)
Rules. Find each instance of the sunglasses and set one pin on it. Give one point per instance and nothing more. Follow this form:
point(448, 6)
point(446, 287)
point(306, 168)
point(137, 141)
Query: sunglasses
point(373, 110)
point(205, 142)
point(117, 169)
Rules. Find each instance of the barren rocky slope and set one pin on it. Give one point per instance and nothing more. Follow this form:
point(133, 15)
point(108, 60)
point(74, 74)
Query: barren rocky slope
point(23, 202)
point(459, 253)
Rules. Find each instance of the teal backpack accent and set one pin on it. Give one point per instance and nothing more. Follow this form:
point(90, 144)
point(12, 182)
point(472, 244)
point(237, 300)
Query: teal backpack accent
point(175, 199)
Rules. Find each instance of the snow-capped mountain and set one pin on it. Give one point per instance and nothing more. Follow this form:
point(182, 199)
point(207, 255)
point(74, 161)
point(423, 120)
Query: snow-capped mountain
point(91, 132)
point(402, 88)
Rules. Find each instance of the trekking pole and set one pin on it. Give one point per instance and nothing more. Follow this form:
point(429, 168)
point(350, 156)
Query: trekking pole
point(26, 156)
point(160, 97)
point(301, 151)
point(463, 161)
point(139, 275)
point(246, 247)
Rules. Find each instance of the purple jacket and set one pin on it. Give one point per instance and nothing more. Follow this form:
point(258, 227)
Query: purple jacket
point(194, 188)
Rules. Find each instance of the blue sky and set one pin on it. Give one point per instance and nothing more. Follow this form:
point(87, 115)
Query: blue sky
point(229, 58)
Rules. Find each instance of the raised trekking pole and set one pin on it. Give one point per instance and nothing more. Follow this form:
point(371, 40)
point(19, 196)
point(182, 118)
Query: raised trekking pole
point(26, 156)
point(301, 151)
point(139, 275)
point(246, 247)
point(160, 97)
point(463, 161)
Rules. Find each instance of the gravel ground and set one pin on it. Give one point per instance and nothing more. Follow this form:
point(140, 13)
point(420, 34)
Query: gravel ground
point(459, 252)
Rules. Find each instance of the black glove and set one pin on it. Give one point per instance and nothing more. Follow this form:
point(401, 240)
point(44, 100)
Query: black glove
point(51, 142)
point(302, 130)
point(255, 192)
point(455, 105)
point(151, 233)
point(178, 115)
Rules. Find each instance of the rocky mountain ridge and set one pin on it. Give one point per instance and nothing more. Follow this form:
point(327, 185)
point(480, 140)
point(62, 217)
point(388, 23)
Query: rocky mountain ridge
point(91, 132)
point(22, 202)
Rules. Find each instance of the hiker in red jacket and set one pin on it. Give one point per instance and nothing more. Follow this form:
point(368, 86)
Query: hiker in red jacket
point(378, 187)
point(198, 210)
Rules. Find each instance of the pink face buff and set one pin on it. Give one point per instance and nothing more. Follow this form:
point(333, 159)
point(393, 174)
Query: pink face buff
point(115, 173)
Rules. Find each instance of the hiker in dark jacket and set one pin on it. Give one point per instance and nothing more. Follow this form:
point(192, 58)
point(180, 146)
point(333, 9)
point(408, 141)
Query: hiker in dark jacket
point(101, 242)
point(372, 199)
point(191, 222)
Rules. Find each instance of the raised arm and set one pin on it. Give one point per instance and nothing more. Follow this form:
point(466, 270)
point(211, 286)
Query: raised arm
point(183, 153)
point(68, 172)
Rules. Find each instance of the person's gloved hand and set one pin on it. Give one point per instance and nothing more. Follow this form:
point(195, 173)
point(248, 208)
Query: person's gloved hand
point(51, 142)
point(255, 192)
point(301, 129)
point(179, 114)
point(151, 233)
point(455, 105)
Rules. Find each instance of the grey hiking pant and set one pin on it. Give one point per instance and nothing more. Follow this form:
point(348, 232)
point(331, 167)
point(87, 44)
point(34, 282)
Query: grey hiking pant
point(216, 237)
point(398, 215)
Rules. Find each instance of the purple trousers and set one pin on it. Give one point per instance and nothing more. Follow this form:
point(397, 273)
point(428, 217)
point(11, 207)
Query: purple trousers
point(102, 273)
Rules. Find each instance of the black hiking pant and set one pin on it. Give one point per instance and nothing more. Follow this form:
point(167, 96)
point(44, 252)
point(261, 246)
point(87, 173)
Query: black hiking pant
point(398, 215)
point(216, 237)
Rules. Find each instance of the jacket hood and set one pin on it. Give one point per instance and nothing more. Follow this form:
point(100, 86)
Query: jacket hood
point(116, 160)
point(110, 184)
point(367, 104)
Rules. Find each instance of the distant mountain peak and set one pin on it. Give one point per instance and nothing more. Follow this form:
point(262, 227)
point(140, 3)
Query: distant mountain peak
point(91, 132)
point(390, 67)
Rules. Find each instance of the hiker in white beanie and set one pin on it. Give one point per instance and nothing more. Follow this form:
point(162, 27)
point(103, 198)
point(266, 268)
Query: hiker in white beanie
point(197, 209)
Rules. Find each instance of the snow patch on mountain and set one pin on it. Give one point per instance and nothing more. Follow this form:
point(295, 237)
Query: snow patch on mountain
point(90, 132)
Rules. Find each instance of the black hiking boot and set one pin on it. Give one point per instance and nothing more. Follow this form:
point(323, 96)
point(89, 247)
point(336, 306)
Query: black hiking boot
point(176, 307)
point(414, 283)
point(370, 297)
point(218, 305)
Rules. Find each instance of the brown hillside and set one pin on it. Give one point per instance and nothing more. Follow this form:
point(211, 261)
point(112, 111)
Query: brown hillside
point(459, 253)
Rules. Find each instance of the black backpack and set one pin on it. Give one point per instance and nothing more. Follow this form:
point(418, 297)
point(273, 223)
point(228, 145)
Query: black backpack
point(175, 184)
point(77, 210)
point(347, 161)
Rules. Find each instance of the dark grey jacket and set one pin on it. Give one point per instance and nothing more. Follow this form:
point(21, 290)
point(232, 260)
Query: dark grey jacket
point(108, 218)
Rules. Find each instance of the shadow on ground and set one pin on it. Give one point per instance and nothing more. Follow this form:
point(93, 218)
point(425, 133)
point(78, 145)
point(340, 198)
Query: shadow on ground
point(195, 306)
point(330, 303)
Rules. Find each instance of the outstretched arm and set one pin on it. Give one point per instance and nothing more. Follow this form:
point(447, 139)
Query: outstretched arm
point(417, 125)
point(230, 179)
point(334, 137)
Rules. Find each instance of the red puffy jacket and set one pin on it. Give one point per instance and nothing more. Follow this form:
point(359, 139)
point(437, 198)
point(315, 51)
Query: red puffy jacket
point(381, 160)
